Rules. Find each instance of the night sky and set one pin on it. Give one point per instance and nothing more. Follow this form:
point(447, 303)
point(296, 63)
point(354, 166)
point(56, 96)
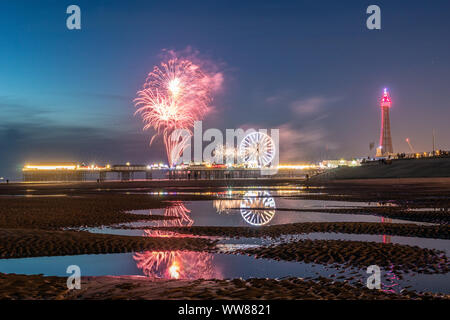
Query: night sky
point(310, 68)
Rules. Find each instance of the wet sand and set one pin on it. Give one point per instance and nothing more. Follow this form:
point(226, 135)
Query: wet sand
point(21, 243)
point(137, 288)
point(73, 212)
point(436, 194)
point(433, 216)
point(36, 287)
point(358, 254)
point(397, 229)
point(35, 227)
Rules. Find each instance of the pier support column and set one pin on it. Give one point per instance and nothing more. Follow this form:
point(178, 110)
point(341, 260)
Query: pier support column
point(125, 176)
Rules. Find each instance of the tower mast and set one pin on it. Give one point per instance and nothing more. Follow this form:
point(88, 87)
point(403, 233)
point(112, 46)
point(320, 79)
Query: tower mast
point(385, 147)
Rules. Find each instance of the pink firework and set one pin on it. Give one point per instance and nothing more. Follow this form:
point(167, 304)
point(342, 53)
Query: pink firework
point(175, 264)
point(174, 96)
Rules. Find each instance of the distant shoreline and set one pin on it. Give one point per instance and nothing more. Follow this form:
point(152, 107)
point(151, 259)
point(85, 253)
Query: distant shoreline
point(398, 171)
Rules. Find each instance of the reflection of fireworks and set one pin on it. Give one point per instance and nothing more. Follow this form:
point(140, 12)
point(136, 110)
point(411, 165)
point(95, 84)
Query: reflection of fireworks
point(174, 96)
point(175, 264)
point(177, 210)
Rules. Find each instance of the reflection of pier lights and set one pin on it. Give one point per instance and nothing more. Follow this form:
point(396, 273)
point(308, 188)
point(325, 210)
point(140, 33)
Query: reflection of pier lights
point(226, 205)
point(205, 173)
point(257, 208)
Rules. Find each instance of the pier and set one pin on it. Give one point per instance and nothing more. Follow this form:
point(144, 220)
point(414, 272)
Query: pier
point(128, 172)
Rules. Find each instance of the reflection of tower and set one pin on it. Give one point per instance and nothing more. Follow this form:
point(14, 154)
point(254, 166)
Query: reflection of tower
point(385, 147)
point(386, 238)
point(391, 283)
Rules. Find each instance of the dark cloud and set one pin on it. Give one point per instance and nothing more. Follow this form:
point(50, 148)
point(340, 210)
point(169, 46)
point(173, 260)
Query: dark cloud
point(39, 143)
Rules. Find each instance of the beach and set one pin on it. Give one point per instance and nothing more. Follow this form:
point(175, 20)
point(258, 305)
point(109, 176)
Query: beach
point(172, 225)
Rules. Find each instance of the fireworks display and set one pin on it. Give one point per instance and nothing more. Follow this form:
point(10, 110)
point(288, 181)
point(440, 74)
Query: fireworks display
point(175, 95)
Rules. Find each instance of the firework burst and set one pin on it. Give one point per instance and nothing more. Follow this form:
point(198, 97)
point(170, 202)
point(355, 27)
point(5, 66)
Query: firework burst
point(175, 95)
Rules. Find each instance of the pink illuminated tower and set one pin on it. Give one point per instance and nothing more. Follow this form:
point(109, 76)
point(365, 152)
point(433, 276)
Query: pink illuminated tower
point(385, 147)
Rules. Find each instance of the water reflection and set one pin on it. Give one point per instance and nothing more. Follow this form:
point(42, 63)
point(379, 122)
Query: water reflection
point(226, 206)
point(386, 238)
point(182, 217)
point(175, 264)
point(392, 281)
point(257, 208)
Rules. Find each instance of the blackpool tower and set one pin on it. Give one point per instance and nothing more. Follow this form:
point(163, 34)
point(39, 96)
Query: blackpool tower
point(385, 147)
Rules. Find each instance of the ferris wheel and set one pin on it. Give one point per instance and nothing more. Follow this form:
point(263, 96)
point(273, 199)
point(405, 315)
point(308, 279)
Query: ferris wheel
point(257, 150)
point(257, 207)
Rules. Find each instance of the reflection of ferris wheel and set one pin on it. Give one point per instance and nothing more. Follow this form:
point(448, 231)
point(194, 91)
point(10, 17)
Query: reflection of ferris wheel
point(258, 207)
point(257, 149)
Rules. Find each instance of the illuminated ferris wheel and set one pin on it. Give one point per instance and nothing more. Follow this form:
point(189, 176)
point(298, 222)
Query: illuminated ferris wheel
point(258, 207)
point(257, 150)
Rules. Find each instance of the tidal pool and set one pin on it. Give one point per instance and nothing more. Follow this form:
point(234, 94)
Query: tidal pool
point(223, 212)
point(203, 265)
point(242, 207)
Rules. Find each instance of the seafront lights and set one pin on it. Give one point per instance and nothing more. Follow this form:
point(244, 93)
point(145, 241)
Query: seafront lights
point(297, 166)
point(49, 167)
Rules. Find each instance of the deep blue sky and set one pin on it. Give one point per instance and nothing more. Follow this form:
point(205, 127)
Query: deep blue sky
point(310, 68)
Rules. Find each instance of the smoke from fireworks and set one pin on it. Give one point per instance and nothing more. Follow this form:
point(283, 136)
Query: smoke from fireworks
point(175, 95)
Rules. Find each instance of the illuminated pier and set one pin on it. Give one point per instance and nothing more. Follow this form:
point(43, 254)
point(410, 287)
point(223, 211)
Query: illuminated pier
point(71, 171)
